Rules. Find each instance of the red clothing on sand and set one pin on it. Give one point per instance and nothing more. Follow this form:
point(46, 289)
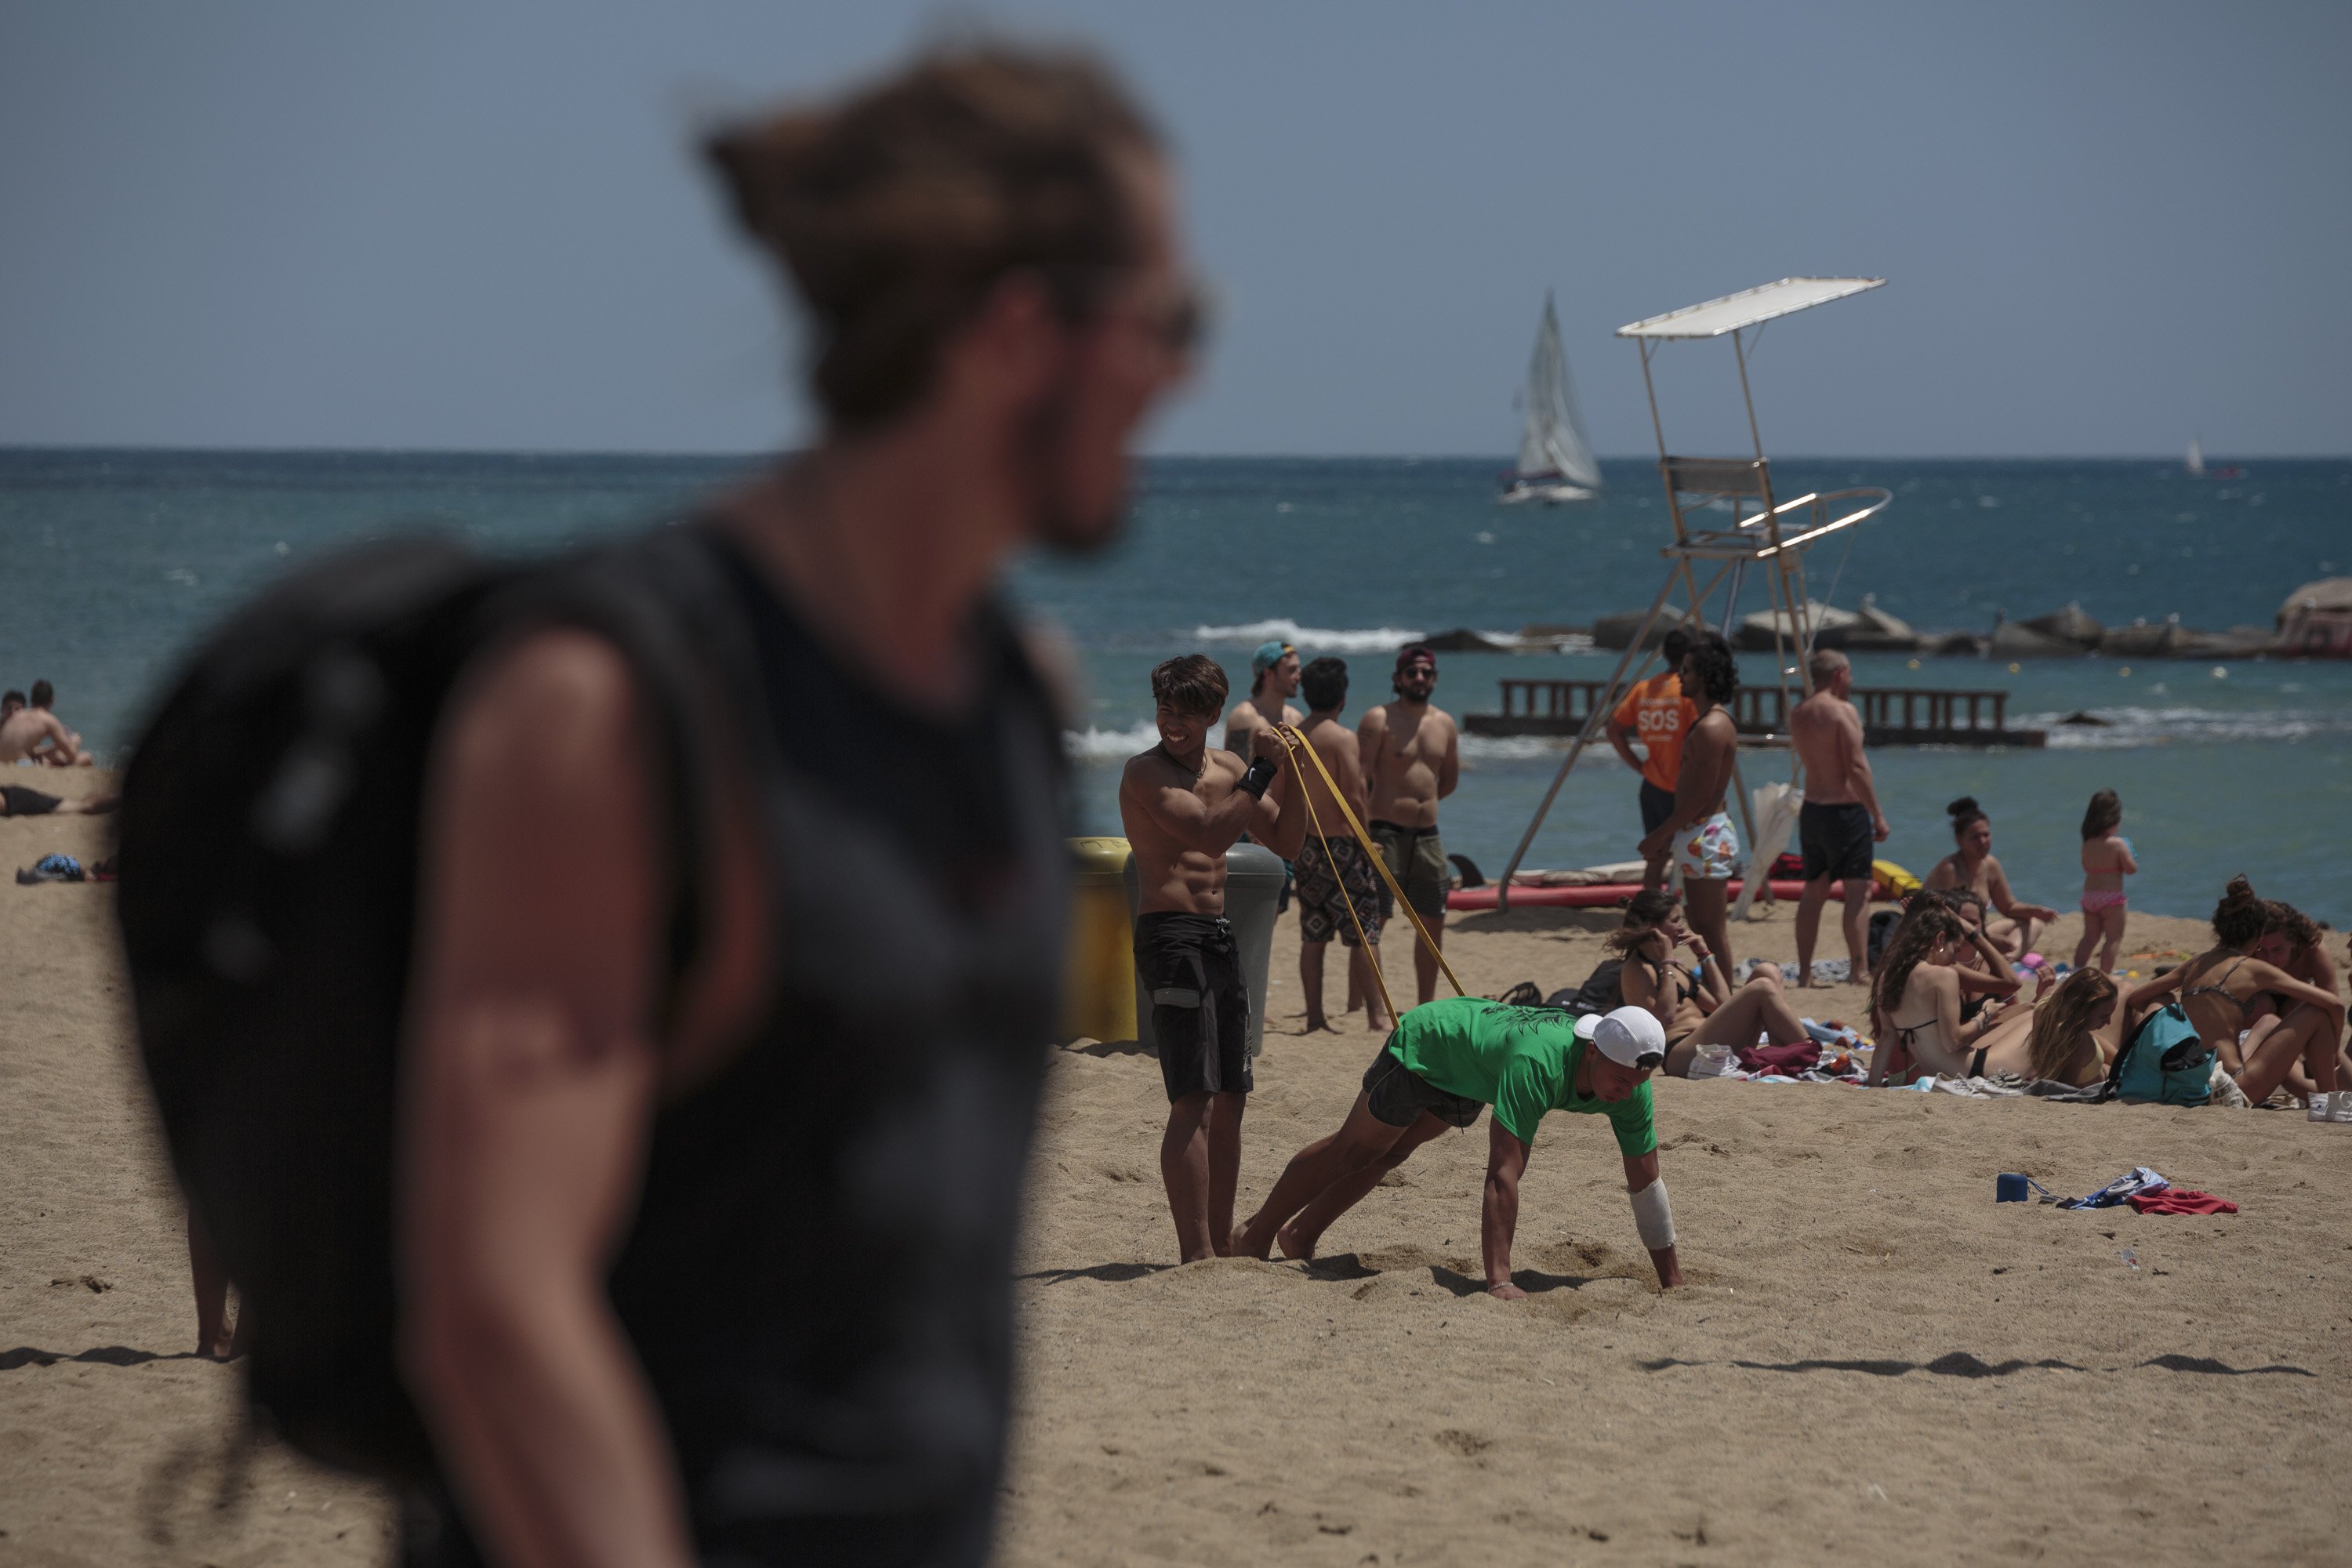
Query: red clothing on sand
point(2181, 1200)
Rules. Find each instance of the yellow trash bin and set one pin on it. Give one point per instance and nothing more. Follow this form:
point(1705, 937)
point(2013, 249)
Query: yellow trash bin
point(1098, 996)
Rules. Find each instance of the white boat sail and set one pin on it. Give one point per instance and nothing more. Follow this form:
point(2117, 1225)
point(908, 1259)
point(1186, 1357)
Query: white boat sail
point(2196, 463)
point(1555, 460)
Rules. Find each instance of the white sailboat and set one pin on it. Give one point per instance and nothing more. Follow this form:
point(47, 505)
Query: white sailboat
point(2196, 463)
point(1556, 461)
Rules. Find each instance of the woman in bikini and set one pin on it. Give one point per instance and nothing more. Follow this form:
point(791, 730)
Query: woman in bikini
point(1972, 865)
point(2216, 988)
point(1984, 971)
point(2291, 941)
point(2106, 861)
point(1917, 1000)
point(1696, 1007)
point(2069, 1037)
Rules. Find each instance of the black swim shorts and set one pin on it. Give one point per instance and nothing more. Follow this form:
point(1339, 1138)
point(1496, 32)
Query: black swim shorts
point(16, 800)
point(1396, 1096)
point(1836, 841)
point(1192, 982)
point(1657, 804)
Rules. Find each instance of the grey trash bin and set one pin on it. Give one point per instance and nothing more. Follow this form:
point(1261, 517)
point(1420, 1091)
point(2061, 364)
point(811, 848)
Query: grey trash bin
point(1254, 878)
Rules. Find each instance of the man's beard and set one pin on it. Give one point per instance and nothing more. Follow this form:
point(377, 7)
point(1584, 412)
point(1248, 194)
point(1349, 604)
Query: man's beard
point(1059, 526)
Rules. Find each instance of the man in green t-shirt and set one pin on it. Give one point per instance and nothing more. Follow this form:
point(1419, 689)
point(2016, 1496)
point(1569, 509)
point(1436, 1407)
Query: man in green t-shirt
point(1445, 1062)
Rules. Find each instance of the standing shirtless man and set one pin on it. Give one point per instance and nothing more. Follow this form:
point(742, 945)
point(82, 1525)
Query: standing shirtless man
point(1183, 806)
point(1338, 891)
point(1412, 758)
point(1698, 832)
point(1840, 820)
point(1273, 676)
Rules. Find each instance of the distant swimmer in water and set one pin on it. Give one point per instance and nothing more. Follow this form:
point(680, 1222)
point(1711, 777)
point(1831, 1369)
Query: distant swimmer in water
point(1974, 865)
point(30, 733)
point(2106, 861)
point(1446, 1062)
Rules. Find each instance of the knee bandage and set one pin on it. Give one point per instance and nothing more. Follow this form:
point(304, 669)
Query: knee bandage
point(1652, 1218)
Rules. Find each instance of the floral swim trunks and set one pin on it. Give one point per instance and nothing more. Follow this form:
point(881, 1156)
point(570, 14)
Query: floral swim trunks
point(1707, 851)
point(1327, 887)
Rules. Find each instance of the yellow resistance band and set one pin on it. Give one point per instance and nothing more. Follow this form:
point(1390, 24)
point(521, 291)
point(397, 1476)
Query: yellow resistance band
point(1295, 744)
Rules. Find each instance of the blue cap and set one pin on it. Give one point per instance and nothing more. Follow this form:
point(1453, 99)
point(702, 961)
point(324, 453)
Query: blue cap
point(1269, 654)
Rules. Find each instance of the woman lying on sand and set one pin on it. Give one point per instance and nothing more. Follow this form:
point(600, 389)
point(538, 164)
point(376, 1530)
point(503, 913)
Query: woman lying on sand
point(2068, 1037)
point(2218, 987)
point(2291, 941)
point(1696, 1007)
point(1973, 865)
point(1917, 1002)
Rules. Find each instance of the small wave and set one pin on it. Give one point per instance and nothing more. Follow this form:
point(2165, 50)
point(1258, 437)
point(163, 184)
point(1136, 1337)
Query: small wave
point(1310, 640)
point(2126, 728)
point(1096, 743)
point(1518, 748)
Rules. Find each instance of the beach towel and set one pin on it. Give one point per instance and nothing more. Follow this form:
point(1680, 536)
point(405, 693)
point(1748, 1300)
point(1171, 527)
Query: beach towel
point(1802, 1056)
point(2181, 1200)
point(1775, 809)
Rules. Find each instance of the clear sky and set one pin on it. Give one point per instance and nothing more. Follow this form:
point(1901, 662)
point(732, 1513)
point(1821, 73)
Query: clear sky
point(2107, 226)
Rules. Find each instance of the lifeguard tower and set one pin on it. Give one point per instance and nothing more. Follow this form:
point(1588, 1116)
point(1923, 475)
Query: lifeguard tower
point(1763, 531)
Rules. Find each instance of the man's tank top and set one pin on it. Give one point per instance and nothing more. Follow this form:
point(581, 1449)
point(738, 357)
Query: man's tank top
point(818, 1281)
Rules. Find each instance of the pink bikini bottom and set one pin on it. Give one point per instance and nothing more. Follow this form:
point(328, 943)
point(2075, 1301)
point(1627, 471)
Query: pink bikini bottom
point(2097, 899)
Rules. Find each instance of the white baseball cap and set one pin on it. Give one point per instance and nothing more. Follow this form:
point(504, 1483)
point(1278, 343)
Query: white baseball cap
point(1630, 1036)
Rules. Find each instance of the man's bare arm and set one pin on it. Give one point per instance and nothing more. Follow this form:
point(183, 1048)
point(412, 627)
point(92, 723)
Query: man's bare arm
point(1498, 1211)
point(1279, 821)
point(1174, 809)
point(1449, 772)
point(1860, 783)
point(1621, 737)
point(530, 1084)
point(1640, 1171)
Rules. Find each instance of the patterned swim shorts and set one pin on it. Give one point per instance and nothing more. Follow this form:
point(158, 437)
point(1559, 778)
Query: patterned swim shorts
point(1327, 887)
point(1707, 851)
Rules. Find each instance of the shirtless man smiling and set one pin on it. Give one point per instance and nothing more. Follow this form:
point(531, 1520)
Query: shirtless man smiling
point(1183, 806)
point(1412, 756)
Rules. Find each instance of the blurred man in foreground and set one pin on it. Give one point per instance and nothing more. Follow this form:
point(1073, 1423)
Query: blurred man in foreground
point(724, 1275)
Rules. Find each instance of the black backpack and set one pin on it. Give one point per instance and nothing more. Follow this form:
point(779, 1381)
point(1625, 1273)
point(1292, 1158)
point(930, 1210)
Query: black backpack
point(269, 856)
point(1601, 991)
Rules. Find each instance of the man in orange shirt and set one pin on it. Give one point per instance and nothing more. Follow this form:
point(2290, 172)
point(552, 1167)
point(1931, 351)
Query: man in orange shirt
point(1657, 713)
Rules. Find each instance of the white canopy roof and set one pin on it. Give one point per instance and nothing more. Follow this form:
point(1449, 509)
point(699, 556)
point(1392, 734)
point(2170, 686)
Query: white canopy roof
point(1714, 317)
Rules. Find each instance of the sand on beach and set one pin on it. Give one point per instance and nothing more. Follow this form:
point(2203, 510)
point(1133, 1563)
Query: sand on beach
point(1872, 1362)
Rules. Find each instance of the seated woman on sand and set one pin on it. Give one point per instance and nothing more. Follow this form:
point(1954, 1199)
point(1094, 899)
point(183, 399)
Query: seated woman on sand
point(1697, 1006)
point(2291, 941)
point(2069, 1037)
point(1984, 971)
point(1917, 1002)
point(1974, 865)
point(2218, 987)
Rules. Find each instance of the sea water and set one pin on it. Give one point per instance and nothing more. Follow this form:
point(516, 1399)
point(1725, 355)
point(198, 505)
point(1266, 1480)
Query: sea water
point(117, 560)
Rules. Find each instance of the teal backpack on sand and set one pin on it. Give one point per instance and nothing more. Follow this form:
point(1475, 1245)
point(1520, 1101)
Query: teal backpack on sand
point(2165, 1063)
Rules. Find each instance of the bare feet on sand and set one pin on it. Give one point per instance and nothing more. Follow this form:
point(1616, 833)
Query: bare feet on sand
point(1316, 1022)
point(1295, 1246)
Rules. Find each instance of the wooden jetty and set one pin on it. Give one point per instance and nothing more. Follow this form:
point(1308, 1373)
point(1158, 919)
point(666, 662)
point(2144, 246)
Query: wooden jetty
point(1891, 715)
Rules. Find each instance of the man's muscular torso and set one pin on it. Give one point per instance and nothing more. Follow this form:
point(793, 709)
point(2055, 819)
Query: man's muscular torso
point(1411, 756)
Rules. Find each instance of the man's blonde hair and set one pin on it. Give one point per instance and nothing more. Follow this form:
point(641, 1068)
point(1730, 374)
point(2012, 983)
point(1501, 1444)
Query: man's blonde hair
point(1824, 664)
